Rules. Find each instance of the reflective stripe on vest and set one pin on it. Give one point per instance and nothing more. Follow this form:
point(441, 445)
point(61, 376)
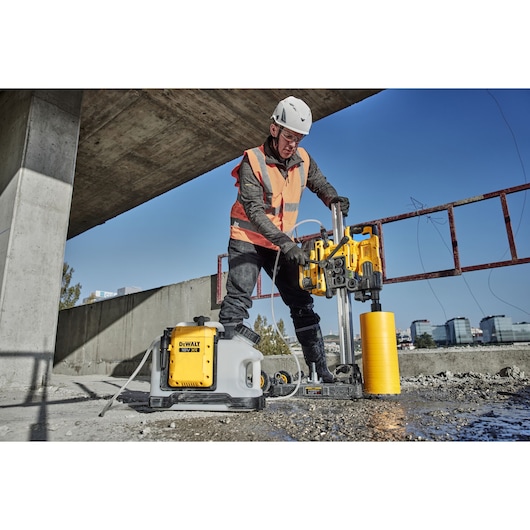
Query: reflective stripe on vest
point(281, 196)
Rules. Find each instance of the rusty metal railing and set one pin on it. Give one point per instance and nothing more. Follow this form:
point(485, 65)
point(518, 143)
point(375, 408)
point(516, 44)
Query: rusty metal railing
point(457, 269)
point(450, 207)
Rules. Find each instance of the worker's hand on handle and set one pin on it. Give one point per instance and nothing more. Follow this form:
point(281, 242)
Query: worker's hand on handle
point(296, 255)
point(344, 204)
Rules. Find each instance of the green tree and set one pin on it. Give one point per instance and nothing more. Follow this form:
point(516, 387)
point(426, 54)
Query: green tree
point(424, 341)
point(272, 342)
point(69, 295)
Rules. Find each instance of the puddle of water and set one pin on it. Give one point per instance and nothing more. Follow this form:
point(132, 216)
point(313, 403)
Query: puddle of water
point(436, 421)
point(500, 422)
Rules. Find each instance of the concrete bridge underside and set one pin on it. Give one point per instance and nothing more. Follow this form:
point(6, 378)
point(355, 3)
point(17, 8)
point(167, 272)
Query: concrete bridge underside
point(137, 144)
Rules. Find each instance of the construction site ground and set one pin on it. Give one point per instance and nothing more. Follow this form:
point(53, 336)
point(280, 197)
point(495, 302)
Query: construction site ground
point(476, 483)
point(442, 407)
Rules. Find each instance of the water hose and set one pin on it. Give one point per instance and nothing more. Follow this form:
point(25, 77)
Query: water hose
point(134, 374)
point(272, 311)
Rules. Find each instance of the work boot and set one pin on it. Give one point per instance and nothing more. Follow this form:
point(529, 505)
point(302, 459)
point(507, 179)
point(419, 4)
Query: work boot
point(324, 373)
point(312, 342)
point(317, 354)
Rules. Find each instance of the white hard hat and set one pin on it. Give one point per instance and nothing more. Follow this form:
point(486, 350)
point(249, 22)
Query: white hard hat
point(294, 114)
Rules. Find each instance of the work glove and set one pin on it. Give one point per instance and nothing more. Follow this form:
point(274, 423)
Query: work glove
point(296, 255)
point(344, 204)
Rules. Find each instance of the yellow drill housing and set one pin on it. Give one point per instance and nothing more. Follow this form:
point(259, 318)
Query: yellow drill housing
point(354, 265)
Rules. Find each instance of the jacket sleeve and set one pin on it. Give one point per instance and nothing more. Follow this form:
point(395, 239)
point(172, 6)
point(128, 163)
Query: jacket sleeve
point(318, 184)
point(251, 197)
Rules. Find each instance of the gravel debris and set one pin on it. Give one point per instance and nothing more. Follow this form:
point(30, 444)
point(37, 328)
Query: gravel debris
point(443, 407)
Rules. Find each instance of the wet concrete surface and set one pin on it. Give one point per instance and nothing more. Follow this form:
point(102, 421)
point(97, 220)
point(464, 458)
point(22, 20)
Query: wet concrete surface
point(445, 407)
point(439, 408)
point(500, 413)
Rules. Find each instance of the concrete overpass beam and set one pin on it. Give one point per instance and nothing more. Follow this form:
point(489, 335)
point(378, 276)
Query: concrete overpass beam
point(39, 132)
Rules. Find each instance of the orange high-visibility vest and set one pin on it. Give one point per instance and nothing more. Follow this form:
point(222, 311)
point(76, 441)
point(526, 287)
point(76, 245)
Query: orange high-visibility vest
point(281, 195)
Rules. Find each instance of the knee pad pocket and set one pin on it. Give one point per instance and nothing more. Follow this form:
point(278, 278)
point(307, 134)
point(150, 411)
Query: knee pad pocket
point(304, 317)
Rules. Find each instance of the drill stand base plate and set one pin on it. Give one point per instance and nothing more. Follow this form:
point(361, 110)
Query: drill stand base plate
point(222, 402)
point(319, 390)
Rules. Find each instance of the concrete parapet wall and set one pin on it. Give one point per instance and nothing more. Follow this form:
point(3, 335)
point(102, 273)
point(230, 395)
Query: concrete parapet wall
point(110, 337)
point(490, 360)
point(485, 360)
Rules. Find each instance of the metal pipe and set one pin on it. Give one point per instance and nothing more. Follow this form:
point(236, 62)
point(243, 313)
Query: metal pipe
point(343, 297)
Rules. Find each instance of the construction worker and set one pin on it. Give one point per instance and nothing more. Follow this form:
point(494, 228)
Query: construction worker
point(270, 181)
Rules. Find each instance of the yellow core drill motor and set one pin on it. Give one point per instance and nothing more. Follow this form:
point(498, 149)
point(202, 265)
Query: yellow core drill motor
point(347, 264)
point(343, 266)
point(339, 265)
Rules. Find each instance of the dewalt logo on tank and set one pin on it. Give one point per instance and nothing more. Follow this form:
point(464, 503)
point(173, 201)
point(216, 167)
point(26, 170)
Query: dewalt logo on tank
point(189, 346)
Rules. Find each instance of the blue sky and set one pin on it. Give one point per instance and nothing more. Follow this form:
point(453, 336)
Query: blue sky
point(395, 152)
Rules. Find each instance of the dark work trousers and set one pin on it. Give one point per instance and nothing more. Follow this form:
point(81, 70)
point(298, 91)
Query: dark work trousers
point(245, 261)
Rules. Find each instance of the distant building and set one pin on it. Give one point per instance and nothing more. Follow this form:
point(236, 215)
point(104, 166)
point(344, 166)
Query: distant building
point(122, 291)
point(96, 296)
point(477, 335)
point(521, 332)
point(439, 334)
point(459, 331)
point(454, 331)
point(104, 294)
point(497, 329)
point(419, 327)
point(331, 347)
point(404, 340)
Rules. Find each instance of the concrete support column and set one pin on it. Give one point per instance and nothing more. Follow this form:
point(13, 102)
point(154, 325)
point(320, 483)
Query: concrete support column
point(39, 132)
